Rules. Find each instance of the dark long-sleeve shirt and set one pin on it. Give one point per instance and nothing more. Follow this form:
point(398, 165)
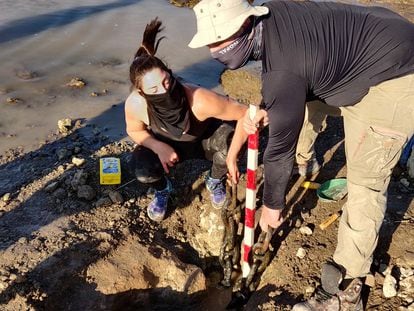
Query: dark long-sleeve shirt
point(330, 51)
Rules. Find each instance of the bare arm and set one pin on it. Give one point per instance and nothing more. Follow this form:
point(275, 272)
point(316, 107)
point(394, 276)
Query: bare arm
point(208, 104)
point(239, 139)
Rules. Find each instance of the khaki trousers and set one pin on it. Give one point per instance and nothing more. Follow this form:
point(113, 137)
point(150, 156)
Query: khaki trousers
point(376, 130)
point(314, 123)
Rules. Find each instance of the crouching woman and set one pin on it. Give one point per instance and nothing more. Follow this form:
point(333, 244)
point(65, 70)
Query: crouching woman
point(172, 121)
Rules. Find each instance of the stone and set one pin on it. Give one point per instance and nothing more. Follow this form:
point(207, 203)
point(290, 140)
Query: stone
point(116, 197)
point(379, 278)
point(60, 193)
point(105, 201)
point(13, 100)
point(305, 230)
point(63, 153)
point(135, 266)
point(79, 179)
point(389, 288)
point(209, 238)
point(64, 125)
point(370, 280)
point(52, 186)
point(6, 197)
point(78, 161)
point(86, 192)
point(76, 83)
point(301, 253)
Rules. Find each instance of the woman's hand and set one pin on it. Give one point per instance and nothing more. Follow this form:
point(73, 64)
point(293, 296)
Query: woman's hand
point(261, 119)
point(233, 170)
point(167, 156)
point(270, 218)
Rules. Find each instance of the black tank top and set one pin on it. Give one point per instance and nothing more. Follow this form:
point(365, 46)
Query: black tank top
point(196, 130)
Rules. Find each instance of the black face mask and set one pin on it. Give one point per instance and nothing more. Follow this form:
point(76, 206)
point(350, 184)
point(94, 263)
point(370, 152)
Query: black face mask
point(169, 111)
point(244, 48)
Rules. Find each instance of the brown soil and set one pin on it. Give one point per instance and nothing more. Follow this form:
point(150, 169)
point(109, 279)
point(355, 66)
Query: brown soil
point(58, 250)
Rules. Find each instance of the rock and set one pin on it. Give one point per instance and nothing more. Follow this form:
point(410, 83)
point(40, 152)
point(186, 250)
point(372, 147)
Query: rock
point(76, 83)
point(79, 179)
point(370, 280)
point(208, 239)
point(301, 253)
point(305, 230)
point(13, 100)
point(309, 289)
point(86, 192)
point(379, 278)
point(60, 193)
point(6, 197)
point(105, 201)
point(3, 285)
point(135, 266)
point(64, 125)
point(116, 197)
point(78, 161)
point(389, 287)
point(63, 153)
point(52, 186)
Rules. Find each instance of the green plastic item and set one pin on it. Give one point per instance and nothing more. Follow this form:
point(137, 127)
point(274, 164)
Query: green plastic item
point(332, 190)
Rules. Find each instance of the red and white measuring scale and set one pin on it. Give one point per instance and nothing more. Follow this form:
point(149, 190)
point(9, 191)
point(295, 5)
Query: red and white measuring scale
point(252, 160)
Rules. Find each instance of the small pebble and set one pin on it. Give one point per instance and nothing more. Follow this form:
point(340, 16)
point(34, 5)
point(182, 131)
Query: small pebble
point(389, 288)
point(305, 230)
point(301, 253)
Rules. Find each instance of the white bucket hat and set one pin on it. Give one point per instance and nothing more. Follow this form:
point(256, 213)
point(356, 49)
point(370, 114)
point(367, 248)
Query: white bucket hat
point(218, 20)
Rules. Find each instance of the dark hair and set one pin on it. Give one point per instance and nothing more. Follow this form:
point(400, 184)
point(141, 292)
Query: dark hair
point(145, 59)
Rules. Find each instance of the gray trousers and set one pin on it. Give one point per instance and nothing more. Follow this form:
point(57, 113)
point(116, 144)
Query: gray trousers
point(314, 122)
point(376, 130)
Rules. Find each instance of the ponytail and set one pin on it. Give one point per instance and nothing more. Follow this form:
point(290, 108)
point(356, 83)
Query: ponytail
point(144, 58)
point(149, 44)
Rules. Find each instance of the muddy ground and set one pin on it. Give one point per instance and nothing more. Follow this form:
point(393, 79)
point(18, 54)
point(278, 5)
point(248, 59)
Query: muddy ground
point(69, 243)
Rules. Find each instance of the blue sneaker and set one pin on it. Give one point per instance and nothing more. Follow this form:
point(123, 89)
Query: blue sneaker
point(158, 207)
point(217, 191)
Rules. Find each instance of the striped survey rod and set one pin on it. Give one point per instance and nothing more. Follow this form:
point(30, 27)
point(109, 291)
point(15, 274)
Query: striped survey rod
point(252, 159)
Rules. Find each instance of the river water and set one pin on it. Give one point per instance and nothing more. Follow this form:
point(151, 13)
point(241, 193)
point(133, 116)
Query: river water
point(46, 43)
